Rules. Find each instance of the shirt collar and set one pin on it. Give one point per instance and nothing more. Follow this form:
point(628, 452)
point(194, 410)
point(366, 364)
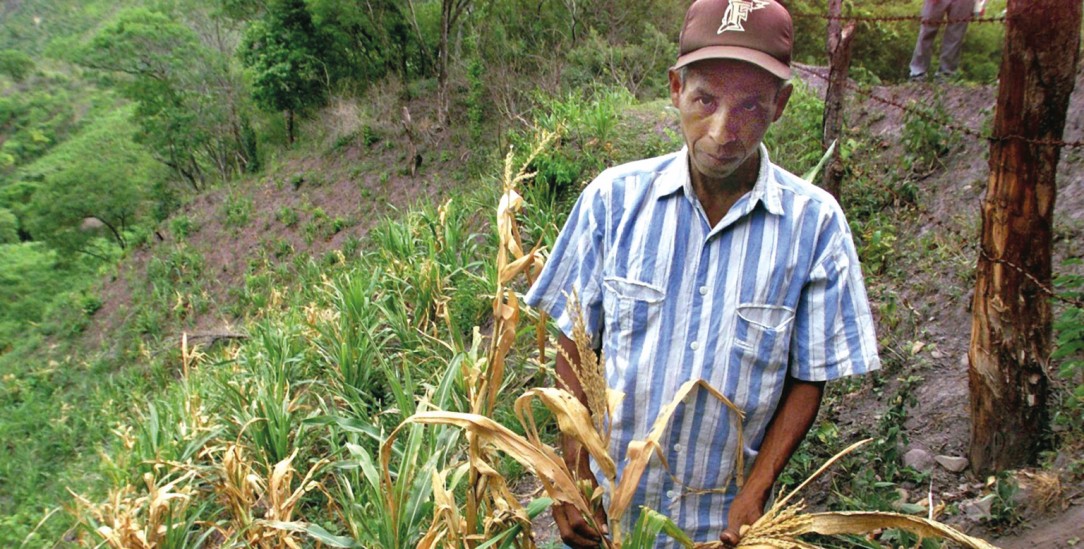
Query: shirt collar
point(766, 190)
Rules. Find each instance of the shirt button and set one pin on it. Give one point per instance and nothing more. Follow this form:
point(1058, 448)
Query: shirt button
point(703, 290)
point(694, 345)
point(672, 494)
point(677, 448)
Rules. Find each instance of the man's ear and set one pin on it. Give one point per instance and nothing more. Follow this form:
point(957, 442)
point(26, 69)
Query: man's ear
point(675, 86)
point(781, 99)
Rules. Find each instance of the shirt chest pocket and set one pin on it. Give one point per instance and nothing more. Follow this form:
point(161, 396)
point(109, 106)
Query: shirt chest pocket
point(631, 306)
point(762, 335)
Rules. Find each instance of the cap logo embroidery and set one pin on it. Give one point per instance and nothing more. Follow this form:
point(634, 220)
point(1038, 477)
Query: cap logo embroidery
point(737, 12)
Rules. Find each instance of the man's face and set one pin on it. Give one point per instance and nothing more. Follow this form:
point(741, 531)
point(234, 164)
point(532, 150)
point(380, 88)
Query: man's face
point(726, 107)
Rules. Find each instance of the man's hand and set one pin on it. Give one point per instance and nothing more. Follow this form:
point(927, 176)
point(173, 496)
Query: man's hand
point(744, 510)
point(575, 530)
point(795, 414)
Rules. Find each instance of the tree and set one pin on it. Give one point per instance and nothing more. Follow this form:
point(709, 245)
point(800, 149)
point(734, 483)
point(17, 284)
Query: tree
point(450, 12)
point(1011, 319)
point(284, 53)
point(100, 174)
point(185, 93)
point(365, 42)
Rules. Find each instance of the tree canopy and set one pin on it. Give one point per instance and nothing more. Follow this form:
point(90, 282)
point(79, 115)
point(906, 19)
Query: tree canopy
point(100, 174)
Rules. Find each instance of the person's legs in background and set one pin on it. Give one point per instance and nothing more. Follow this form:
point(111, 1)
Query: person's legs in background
point(952, 43)
point(932, 11)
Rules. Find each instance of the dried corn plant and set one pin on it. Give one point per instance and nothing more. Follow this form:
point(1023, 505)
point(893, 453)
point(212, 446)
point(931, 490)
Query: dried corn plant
point(784, 523)
point(490, 503)
point(130, 521)
point(243, 493)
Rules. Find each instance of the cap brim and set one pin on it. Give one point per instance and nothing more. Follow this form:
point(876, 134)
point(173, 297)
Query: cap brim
point(756, 57)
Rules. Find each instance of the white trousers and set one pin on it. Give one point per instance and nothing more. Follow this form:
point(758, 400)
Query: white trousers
point(958, 11)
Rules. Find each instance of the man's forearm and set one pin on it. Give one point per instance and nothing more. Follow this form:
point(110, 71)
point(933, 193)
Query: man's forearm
point(795, 414)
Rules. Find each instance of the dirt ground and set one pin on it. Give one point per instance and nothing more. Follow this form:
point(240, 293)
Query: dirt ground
point(945, 226)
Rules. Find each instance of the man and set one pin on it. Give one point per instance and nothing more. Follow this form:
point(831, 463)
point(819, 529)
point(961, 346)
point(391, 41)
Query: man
point(711, 263)
point(958, 12)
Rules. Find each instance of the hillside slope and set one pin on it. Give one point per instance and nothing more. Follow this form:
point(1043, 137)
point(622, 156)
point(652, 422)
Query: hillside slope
point(227, 252)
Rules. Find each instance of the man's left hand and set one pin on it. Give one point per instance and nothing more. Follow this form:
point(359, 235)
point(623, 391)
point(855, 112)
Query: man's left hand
point(744, 510)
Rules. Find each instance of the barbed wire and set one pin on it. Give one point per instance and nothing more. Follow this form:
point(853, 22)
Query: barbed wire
point(1043, 287)
point(1046, 289)
point(898, 19)
point(928, 117)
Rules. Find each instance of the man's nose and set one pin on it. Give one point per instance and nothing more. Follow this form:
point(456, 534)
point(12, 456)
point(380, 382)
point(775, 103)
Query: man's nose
point(720, 126)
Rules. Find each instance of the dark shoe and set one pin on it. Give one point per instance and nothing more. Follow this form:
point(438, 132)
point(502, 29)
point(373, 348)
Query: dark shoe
point(917, 77)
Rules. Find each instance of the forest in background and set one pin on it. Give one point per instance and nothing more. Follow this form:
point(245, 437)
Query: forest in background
point(116, 116)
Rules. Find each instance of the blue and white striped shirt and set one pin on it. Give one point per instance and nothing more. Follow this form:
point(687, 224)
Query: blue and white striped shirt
point(775, 288)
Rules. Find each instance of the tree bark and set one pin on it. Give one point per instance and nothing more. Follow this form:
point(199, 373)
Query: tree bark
point(1011, 332)
point(290, 126)
point(450, 10)
point(839, 55)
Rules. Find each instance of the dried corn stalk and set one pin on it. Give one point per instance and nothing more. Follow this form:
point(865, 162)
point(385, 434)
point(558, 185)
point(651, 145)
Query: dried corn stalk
point(484, 378)
point(242, 491)
point(783, 524)
point(130, 522)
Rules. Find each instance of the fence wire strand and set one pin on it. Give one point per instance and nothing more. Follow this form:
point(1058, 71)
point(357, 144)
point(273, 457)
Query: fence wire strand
point(898, 19)
point(1045, 288)
point(956, 128)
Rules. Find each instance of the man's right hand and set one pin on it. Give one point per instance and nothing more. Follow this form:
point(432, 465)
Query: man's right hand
point(576, 531)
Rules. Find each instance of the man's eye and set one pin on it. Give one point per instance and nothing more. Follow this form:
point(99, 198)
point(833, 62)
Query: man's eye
point(705, 101)
point(750, 106)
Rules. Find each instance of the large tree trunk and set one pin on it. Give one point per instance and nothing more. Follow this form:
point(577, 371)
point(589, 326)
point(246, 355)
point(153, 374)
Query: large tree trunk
point(1010, 334)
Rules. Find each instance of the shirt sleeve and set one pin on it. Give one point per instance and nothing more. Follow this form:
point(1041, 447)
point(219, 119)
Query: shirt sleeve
point(575, 265)
point(834, 333)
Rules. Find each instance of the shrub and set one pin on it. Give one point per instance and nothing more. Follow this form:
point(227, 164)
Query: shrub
point(9, 227)
point(640, 66)
point(794, 141)
point(287, 216)
point(588, 124)
point(237, 210)
point(925, 137)
point(182, 226)
point(882, 49)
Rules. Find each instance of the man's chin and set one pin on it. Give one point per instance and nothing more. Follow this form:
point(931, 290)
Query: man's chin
point(716, 169)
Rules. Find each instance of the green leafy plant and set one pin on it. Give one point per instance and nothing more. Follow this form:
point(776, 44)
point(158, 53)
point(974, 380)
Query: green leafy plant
point(925, 137)
point(182, 226)
point(287, 216)
point(237, 209)
point(1069, 348)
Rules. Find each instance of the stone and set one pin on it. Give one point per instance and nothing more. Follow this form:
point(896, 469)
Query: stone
point(918, 459)
point(979, 508)
point(954, 464)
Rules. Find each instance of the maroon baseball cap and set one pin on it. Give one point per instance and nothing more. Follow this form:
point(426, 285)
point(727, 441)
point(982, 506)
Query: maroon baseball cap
point(756, 31)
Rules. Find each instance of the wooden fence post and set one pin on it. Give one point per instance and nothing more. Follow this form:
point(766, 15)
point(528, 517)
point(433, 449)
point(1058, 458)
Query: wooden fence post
point(839, 56)
point(1011, 333)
